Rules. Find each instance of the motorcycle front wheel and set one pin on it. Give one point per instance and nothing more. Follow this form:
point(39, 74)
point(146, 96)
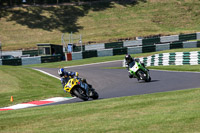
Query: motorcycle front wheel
point(95, 95)
point(78, 92)
point(141, 75)
point(148, 80)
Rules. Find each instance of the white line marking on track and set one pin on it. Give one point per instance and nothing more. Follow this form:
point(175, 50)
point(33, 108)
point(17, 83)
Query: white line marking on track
point(46, 73)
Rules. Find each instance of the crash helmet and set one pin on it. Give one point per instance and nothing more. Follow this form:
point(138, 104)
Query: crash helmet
point(128, 58)
point(61, 72)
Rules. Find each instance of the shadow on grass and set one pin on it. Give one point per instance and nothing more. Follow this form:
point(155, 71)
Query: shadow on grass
point(62, 18)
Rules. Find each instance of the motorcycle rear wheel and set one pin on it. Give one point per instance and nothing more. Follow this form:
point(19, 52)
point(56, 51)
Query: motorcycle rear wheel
point(81, 96)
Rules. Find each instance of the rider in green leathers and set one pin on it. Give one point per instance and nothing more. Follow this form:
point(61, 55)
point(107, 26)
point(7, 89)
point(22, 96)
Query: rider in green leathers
point(130, 61)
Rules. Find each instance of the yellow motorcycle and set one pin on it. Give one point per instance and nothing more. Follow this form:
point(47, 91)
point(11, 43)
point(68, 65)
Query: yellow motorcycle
point(76, 87)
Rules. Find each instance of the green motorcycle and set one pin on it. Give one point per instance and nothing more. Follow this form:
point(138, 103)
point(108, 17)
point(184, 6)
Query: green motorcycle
point(139, 71)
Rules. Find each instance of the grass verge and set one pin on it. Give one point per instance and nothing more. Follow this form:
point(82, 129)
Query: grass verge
point(176, 111)
point(191, 68)
point(25, 84)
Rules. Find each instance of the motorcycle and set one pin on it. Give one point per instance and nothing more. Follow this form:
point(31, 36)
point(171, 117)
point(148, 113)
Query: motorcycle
point(76, 87)
point(140, 72)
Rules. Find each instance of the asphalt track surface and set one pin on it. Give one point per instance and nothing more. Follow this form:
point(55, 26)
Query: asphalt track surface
point(110, 83)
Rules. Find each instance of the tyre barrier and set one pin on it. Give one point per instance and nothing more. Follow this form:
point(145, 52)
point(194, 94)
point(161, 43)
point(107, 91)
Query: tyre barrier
point(165, 59)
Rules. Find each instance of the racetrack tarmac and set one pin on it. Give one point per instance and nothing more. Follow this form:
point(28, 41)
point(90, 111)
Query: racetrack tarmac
point(110, 83)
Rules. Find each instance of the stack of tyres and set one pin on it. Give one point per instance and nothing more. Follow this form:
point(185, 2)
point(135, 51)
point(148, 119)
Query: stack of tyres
point(51, 58)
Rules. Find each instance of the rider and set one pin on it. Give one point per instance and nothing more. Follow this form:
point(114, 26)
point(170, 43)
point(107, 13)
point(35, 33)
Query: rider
point(66, 76)
point(130, 62)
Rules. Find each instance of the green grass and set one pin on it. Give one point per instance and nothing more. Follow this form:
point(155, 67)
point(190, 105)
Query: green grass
point(176, 111)
point(25, 85)
point(193, 68)
point(24, 27)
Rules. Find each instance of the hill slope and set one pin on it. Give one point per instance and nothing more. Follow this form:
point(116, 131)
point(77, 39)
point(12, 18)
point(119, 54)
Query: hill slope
point(23, 27)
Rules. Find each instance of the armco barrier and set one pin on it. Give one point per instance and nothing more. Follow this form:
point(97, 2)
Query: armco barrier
point(147, 49)
point(132, 43)
point(12, 62)
point(198, 43)
point(78, 48)
point(161, 47)
point(120, 51)
point(95, 46)
point(198, 35)
point(53, 58)
point(77, 56)
point(113, 45)
point(172, 38)
point(175, 45)
point(89, 54)
point(16, 53)
point(134, 50)
point(30, 52)
point(31, 60)
point(186, 37)
point(143, 42)
point(192, 44)
point(105, 52)
point(150, 41)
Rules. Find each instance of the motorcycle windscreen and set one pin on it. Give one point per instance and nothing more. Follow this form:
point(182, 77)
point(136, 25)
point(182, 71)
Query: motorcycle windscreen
point(135, 68)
